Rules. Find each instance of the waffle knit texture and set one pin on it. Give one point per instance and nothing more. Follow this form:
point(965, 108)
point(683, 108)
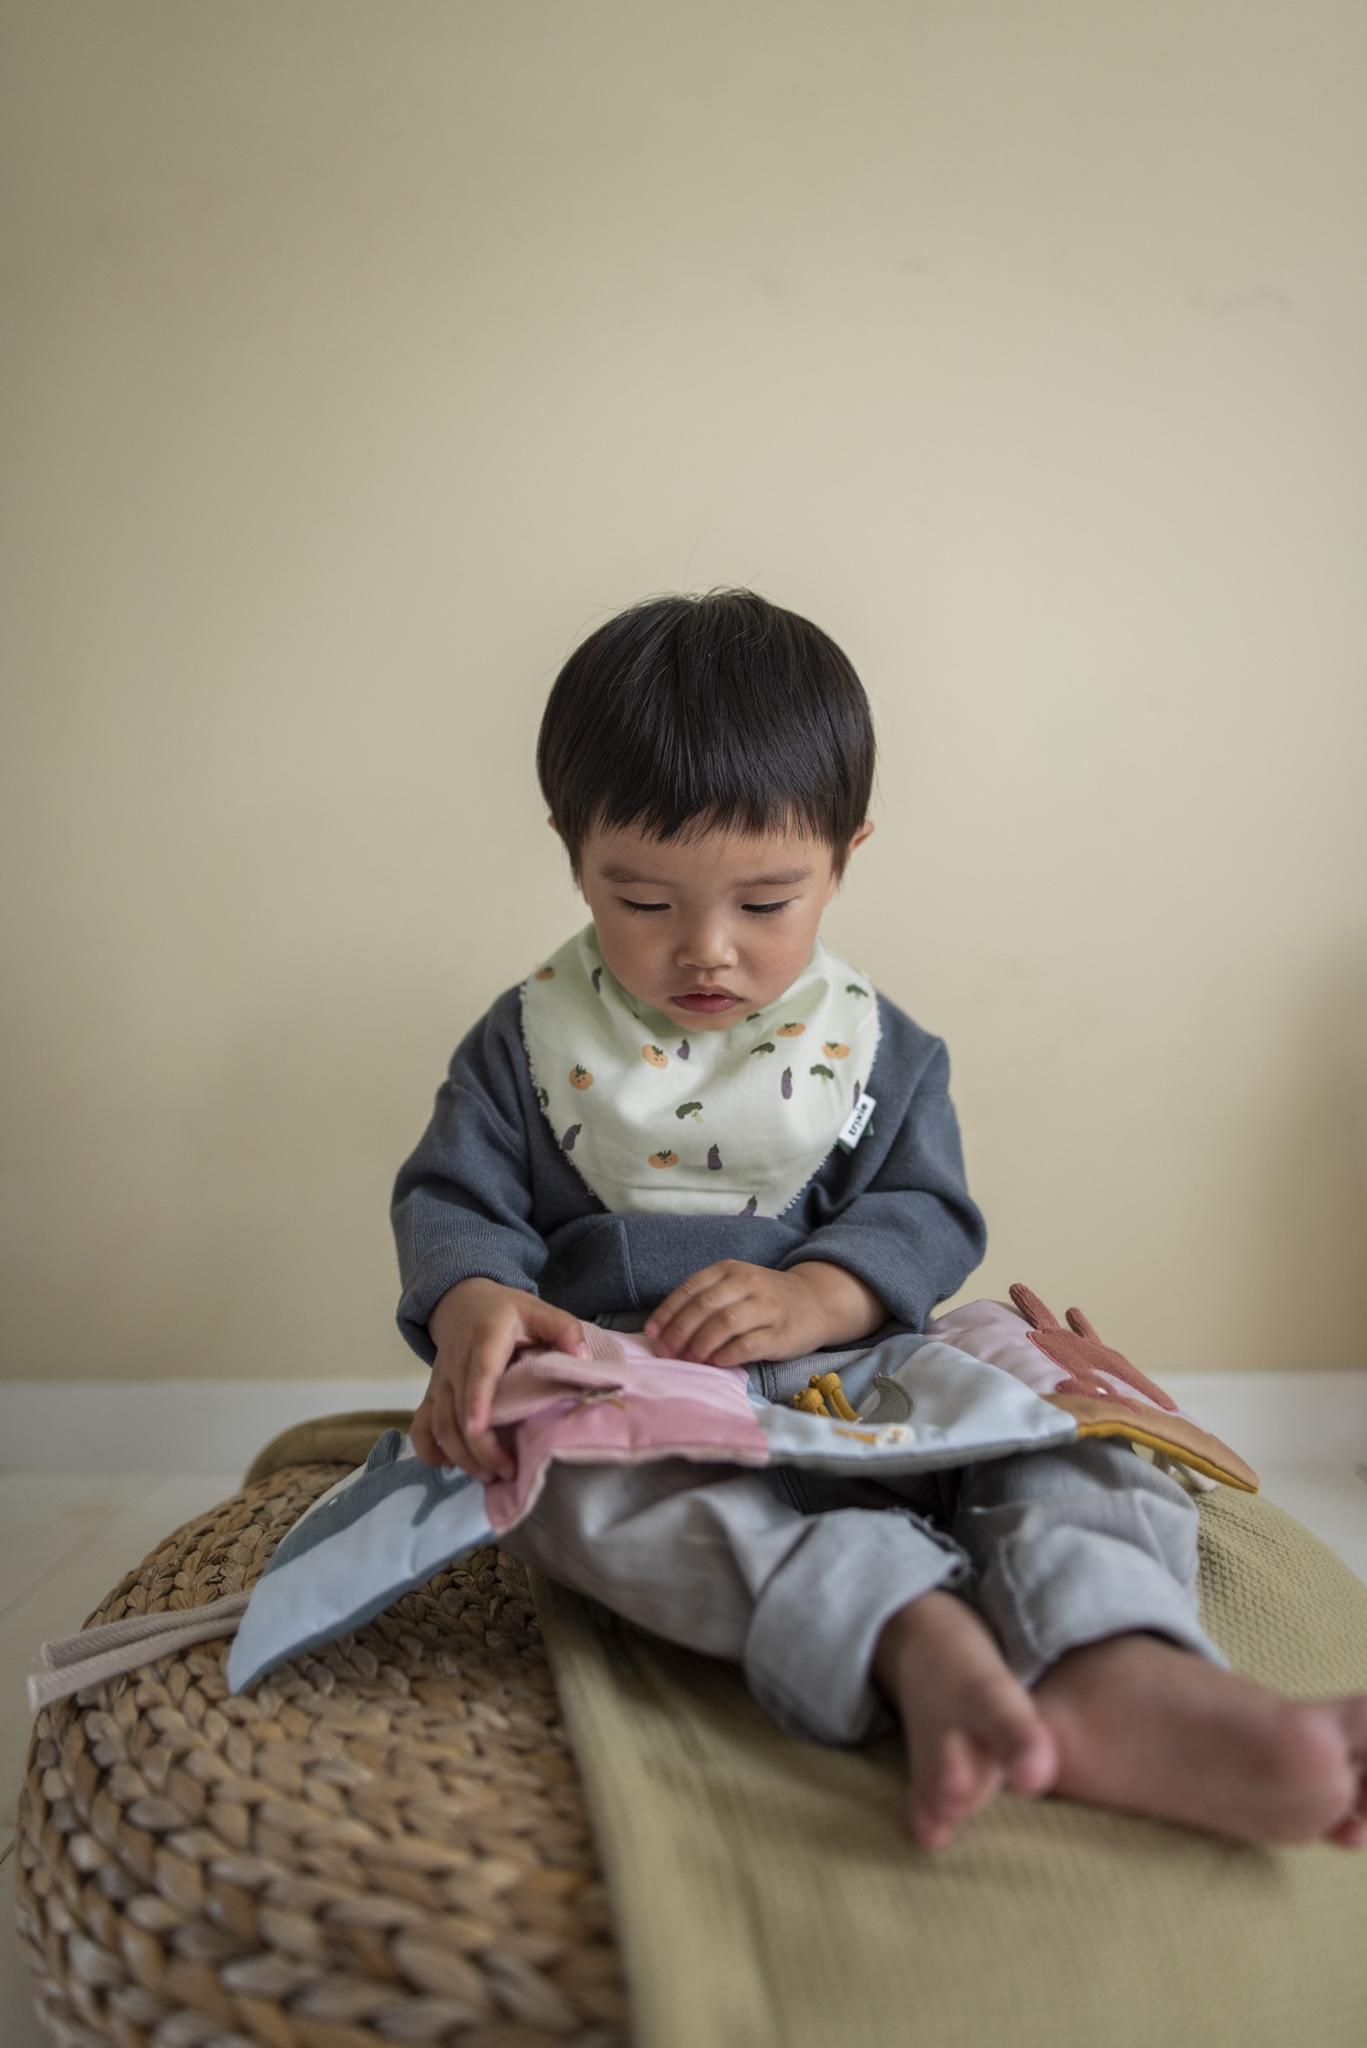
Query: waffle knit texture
point(764, 1890)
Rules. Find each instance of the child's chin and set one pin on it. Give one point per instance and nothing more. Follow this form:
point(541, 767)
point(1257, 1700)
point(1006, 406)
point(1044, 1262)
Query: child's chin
point(698, 1020)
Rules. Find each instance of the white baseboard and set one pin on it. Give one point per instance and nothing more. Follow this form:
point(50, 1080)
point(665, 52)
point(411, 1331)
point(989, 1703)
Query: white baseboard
point(173, 1425)
point(1284, 1418)
point(1279, 1418)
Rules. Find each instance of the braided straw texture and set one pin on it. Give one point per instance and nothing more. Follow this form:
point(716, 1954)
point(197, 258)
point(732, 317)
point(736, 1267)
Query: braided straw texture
point(385, 1842)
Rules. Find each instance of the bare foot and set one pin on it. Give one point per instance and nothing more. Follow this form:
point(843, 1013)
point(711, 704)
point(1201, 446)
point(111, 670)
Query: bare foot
point(1142, 1724)
point(969, 1726)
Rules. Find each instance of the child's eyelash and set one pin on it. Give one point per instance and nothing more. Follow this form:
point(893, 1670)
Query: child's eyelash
point(757, 909)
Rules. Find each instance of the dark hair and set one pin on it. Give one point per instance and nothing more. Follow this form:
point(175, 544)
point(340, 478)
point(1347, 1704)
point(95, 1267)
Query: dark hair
point(688, 713)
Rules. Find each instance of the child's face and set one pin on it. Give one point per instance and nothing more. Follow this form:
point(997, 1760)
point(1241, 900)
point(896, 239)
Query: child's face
point(707, 924)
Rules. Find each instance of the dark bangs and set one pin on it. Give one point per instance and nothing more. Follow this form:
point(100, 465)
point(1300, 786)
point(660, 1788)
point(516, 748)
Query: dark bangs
point(691, 713)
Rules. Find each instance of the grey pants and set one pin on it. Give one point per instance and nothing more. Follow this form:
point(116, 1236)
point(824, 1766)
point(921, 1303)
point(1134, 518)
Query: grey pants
point(792, 1573)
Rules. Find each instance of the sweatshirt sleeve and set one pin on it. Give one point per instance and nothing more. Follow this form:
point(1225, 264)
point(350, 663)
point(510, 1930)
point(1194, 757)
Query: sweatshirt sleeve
point(462, 1203)
point(914, 1234)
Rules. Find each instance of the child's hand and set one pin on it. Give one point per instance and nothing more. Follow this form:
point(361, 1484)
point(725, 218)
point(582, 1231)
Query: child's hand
point(477, 1326)
point(731, 1313)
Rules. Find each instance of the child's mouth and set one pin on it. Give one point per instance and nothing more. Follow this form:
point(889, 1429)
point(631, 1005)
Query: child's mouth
point(707, 1004)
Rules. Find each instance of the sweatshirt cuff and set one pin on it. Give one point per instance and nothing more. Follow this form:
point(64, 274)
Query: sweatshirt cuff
point(423, 1294)
point(907, 1292)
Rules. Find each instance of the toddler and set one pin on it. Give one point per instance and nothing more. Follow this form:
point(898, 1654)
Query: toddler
point(697, 1120)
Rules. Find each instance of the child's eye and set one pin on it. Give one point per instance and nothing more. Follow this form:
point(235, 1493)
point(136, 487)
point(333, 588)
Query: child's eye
point(757, 909)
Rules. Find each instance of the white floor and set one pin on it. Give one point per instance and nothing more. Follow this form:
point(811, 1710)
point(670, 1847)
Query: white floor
point(67, 1537)
point(65, 1540)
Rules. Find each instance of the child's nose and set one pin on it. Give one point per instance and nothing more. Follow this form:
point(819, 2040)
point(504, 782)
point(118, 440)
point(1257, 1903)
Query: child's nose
point(707, 950)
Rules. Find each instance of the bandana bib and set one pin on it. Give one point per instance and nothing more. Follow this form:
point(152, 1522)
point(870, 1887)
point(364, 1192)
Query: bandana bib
point(719, 1123)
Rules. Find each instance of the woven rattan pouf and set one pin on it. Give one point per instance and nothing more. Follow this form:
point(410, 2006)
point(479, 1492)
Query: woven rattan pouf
point(385, 1841)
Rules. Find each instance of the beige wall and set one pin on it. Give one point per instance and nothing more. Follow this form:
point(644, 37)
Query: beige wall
point(359, 359)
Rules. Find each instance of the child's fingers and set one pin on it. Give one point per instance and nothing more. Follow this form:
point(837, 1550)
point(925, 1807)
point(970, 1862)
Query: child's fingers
point(724, 1324)
point(492, 1460)
point(447, 1431)
point(420, 1431)
point(756, 1343)
point(659, 1323)
point(488, 1453)
point(555, 1326)
point(678, 1337)
point(487, 1362)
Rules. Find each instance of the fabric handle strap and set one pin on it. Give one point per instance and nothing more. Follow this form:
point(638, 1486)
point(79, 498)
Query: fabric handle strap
point(93, 1654)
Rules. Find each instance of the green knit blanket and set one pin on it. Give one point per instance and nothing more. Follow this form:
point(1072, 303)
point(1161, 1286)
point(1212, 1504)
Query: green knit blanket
point(766, 1895)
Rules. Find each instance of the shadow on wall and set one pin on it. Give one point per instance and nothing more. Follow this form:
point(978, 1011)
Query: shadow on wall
point(1306, 1221)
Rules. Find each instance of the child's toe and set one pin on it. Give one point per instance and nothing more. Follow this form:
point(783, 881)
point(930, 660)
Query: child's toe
point(1033, 1764)
point(954, 1781)
point(1351, 1831)
point(945, 1791)
point(1019, 1743)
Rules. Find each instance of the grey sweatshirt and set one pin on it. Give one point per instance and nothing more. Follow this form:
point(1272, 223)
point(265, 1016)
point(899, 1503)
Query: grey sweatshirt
point(488, 1192)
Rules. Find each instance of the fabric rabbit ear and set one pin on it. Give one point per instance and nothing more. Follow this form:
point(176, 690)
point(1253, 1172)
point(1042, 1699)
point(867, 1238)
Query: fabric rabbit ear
point(1033, 1309)
point(1077, 1321)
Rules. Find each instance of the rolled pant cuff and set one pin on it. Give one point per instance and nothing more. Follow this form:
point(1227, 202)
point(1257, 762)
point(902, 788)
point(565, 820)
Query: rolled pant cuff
point(856, 1569)
point(1035, 1628)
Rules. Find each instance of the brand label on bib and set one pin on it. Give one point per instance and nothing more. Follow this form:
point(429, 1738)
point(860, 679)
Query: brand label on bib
point(858, 1123)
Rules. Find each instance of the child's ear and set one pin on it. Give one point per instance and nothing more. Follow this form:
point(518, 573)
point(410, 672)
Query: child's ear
point(856, 839)
point(574, 873)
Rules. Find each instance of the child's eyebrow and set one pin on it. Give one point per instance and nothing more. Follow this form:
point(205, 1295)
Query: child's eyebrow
point(615, 872)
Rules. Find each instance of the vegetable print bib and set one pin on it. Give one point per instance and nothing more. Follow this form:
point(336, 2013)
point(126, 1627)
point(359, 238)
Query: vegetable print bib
point(717, 1123)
